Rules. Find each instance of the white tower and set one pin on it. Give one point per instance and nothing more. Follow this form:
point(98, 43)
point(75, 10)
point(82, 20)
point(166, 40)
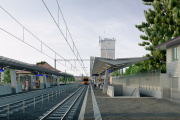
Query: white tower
point(107, 47)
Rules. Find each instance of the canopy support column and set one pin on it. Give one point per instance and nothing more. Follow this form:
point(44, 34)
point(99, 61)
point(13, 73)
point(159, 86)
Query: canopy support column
point(65, 80)
point(2, 76)
point(45, 80)
point(105, 82)
point(58, 81)
point(14, 84)
point(53, 79)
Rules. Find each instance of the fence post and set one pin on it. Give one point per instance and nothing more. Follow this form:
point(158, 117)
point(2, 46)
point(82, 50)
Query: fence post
point(48, 97)
point(23, 107)
point(42, 100)
point(34, 103)
point(52, 95)
point(8, 111)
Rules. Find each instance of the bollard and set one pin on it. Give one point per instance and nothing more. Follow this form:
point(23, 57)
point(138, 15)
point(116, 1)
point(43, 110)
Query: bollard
point(34, 103)
point(8, 112)
point(48, 97)
point(23, 107)
point(42, 100)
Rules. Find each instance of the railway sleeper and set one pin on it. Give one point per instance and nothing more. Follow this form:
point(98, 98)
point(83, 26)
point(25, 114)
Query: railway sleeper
point(54, 118)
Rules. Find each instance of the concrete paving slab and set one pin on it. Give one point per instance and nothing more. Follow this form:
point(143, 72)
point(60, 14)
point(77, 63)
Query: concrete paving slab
point(132, 108)
point(89, 113)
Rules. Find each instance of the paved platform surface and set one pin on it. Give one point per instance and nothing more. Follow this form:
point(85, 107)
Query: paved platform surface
point(131, 108)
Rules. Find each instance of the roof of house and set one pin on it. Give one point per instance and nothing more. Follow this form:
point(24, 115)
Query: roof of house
point(41, 64)
point(46, 65)
point(173, 42)
point(23, 72)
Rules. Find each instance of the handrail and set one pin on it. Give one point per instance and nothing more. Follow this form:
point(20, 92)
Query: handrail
point(18, 101)
point(133, 91)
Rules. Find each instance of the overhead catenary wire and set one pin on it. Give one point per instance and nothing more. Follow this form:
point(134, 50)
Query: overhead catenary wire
point(70, 36)
point(57, 24)
point(42, 43)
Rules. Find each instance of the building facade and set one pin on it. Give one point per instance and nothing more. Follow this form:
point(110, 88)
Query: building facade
point(107, 48)
point(172, 85)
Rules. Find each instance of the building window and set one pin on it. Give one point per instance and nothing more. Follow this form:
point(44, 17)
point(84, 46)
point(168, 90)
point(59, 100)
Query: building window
point(175, 53)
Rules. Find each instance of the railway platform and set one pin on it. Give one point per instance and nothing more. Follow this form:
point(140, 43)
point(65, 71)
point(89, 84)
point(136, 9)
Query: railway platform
point(10, 98)
point(100, 106)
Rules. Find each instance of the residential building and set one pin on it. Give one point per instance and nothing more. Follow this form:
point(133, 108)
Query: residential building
point(172, 48)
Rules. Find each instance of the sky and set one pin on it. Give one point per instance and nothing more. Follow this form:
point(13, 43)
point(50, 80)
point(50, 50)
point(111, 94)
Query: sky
point(86, 21)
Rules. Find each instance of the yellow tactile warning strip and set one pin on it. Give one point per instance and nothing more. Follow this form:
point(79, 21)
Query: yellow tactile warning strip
point(97, 114)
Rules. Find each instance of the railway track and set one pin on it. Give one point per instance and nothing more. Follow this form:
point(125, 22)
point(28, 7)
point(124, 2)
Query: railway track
point(10, 108)
point(67, 108)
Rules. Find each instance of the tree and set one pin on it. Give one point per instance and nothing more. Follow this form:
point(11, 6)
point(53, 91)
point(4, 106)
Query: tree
point(162, 24)
point(115, 73)
point(136, 68)
point(7, 76)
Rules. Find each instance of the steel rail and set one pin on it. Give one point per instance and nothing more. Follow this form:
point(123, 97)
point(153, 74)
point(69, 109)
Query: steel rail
point(60, 104)
point(72, 105)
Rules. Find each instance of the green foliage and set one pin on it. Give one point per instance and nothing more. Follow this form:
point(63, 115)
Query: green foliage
point(7, 76)
point(162, 24)
point(63, 79)
point(116, 73)
point(136, 68)
point(72, 79)
point(41, 63)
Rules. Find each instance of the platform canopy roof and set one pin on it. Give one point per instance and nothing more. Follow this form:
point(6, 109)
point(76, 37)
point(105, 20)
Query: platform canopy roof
point(100, 65)
point(18, 65)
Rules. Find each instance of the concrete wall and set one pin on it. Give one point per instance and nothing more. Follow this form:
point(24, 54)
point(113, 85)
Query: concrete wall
point(19, 88)
point(157, 94)
point(131, 91)
point(48, 85)
point(118, 90)
point(5, 89)
point(110, 91)
point(41, 86)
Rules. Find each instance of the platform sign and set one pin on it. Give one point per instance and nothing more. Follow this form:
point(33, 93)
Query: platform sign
point(47, 76)
point(95, 74)
point(1, 70)
point(39, 74)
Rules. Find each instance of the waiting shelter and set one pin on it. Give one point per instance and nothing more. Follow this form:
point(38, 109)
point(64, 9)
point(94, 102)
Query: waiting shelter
point(14, 65)
point(103, 66)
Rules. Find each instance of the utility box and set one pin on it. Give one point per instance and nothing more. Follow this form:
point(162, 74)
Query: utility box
point(37, 83)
